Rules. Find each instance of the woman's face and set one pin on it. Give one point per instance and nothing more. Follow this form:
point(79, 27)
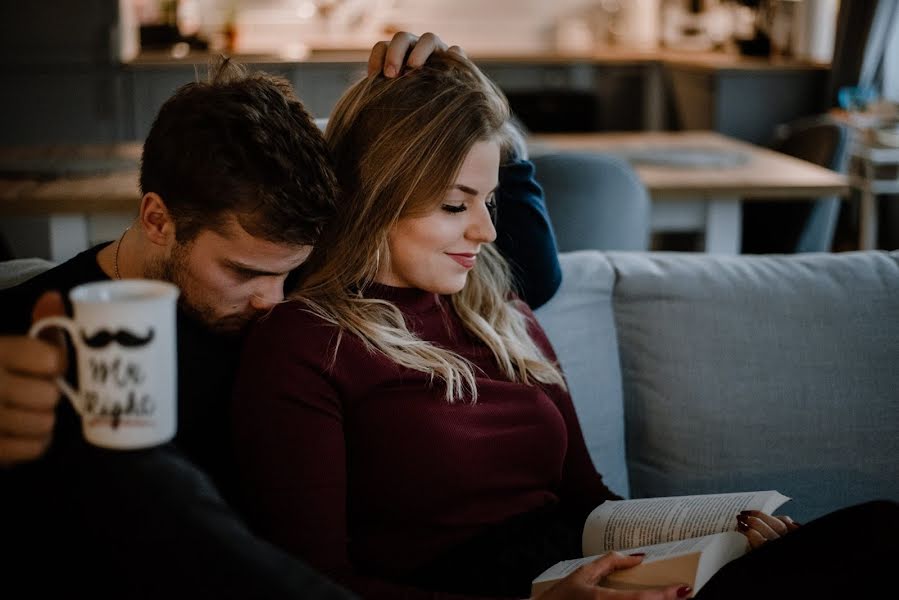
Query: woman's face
point(435, 251)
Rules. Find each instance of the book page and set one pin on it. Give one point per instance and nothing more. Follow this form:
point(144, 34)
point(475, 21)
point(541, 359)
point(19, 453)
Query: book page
point(691, 562)
point(669, 549)
point(622, 524)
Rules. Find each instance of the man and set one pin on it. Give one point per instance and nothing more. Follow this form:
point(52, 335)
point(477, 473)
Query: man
point(235, 186)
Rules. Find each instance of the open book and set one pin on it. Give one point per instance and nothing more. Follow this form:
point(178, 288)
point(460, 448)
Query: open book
point(686, 538)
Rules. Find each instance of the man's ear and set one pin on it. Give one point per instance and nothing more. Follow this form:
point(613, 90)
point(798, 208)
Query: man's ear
point(156, 220)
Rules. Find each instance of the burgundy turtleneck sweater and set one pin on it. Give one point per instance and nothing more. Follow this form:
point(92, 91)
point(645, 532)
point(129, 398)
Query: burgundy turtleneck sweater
point(364, 467)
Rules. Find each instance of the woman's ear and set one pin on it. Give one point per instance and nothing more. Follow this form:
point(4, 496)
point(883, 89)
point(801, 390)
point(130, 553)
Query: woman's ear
point(156, 220)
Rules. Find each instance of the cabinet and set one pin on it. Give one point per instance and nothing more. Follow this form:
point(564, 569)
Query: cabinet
point(148, 87)
point(60, 79)
point(52, 104)
point(577, 95)
point(320, 85)
point(745, 103)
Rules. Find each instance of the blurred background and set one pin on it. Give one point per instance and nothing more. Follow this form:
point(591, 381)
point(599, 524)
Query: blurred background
point(97, 71)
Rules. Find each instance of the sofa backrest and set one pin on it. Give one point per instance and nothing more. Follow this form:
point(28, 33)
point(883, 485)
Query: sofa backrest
point(728, 373)
point(760, 372)
point(580, 324)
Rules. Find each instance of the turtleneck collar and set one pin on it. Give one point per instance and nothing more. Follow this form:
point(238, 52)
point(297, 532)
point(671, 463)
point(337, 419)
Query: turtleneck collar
point(409, 300)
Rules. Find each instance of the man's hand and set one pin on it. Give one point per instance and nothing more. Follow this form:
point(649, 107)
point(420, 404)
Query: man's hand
point(28, 393)
point(391, 58)
point(583, 584)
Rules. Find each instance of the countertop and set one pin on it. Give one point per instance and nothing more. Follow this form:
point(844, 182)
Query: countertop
point(709, 61)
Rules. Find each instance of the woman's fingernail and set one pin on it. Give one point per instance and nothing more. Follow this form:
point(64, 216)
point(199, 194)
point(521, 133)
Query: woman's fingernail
point(390, 71)
point(746, 512)
point(637, 554)
point(742, 526)
point(683, 591)
point(743, 519)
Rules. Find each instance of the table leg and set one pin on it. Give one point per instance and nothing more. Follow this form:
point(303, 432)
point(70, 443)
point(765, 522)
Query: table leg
point(723, 226)
point(867, 219)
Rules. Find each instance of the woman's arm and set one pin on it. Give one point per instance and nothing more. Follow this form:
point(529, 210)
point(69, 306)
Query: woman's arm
point(581, 488)
point(524, 233)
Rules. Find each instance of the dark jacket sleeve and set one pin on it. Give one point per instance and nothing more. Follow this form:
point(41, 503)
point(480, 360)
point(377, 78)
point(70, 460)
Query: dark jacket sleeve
point(524, 234)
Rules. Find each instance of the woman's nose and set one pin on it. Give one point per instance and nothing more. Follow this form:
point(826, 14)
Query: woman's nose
point(481, 228)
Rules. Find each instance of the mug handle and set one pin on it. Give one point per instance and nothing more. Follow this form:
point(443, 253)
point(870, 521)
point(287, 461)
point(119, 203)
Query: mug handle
point(69, 325)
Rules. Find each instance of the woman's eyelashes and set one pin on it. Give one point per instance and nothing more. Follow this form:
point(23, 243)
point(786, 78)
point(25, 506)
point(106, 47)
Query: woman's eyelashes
point(490, 203)
point(454, 208)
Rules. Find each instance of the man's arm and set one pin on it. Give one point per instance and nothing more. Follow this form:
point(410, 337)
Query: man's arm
point(405, 50)
point(524, 233)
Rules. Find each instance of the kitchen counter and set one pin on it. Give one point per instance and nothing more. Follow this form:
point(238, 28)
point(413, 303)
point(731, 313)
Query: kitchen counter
point(709, 61)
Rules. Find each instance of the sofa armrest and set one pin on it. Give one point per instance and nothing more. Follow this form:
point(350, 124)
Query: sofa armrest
point(580, 325)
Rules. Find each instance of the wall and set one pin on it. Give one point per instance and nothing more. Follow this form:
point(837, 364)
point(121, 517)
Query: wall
point(497, 25)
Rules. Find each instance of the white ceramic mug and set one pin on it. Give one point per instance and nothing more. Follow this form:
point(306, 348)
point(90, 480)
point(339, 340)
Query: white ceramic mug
point(124, 337)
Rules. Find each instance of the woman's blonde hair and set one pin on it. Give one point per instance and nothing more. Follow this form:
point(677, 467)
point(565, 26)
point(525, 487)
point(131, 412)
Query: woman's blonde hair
point(398, 145)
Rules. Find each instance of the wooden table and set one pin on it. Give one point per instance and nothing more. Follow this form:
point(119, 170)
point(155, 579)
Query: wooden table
point(692, 197)
point(684, 198)
point(96, 180)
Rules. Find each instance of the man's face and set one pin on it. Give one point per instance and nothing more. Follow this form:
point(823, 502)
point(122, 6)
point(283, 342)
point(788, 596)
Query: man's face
point(228, 278)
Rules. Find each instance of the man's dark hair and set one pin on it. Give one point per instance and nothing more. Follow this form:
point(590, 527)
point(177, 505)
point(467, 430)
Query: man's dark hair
point(240, 144)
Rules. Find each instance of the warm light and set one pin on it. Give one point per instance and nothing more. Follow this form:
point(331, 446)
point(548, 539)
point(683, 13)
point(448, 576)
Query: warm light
point(295, 51)
point(180, 50)
point(306, 10)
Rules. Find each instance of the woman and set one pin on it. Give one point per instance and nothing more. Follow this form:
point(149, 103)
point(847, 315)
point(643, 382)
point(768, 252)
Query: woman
point(436, 438)
point(403, 423)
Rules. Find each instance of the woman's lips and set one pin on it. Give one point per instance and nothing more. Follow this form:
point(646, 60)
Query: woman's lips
point(466, 260)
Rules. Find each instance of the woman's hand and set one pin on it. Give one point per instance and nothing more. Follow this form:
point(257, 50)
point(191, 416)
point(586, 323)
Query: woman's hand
point(760, 528)
point(405, 50)
point(582, 584)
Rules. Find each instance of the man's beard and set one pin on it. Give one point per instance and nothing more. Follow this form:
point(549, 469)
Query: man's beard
point(174, 270)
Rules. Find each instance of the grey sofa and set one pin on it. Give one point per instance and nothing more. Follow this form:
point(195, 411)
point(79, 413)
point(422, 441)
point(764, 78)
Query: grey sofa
point(699, 373)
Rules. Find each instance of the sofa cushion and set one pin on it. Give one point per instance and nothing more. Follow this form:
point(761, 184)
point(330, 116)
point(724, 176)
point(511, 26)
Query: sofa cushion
point(581, 327)
point(765, 372)
point(13, 272)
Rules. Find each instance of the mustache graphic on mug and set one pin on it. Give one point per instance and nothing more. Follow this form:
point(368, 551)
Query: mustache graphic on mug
point(122, 337)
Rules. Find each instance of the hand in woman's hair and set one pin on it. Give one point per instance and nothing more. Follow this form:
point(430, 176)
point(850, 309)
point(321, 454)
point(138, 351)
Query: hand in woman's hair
point(405, 50)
